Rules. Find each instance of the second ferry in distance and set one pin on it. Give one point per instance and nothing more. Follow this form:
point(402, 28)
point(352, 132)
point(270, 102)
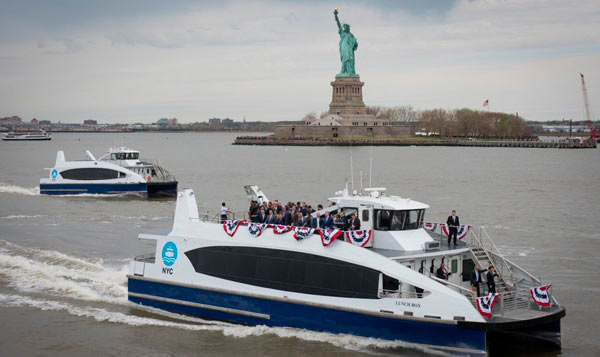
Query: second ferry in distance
point(120, 171)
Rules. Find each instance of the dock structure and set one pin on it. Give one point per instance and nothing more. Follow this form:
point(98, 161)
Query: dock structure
point(303, 141)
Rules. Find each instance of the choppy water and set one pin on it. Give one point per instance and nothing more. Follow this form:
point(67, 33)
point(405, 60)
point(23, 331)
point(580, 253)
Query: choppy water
point(63, 259)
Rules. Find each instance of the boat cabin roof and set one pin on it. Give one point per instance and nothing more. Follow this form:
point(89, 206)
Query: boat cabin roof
point(375, 197)
point(122, 149)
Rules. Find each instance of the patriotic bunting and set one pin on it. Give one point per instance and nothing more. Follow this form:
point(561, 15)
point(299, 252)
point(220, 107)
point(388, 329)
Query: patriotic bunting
point(279, 229)
point(432, 227)
point(303, 232)
point(256, 229)
point(359, 238)
point(329, 235)
point(540, 295)
point(485, 304)
point(231, 226)
point(462, 230)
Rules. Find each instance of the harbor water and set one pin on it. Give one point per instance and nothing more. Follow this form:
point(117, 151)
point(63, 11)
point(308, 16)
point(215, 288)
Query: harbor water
point(63, 260)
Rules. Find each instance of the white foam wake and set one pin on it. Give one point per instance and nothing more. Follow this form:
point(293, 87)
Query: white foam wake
point(18, 190)
point(51, 272)
point(236, 331)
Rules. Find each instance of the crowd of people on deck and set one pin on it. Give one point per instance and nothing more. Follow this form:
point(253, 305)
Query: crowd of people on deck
point(300, 214)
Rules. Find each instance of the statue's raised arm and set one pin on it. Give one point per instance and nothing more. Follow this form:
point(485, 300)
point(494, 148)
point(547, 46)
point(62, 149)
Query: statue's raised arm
point(337, 20)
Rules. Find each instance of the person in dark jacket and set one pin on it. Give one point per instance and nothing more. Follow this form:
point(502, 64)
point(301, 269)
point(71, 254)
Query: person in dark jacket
point(441, 272)
point(491, 284)
point(453, 224)
point(354, 223)
point(271, 218)
point(476, 279)
point(327, 220)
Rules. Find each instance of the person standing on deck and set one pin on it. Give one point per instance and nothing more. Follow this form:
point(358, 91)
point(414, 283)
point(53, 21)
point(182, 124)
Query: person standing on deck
point(224, 211)
point(476, 279)
point(453, 224)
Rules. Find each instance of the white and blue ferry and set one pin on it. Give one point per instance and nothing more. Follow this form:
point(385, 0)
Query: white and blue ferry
point(379, 285)
point(120, 171)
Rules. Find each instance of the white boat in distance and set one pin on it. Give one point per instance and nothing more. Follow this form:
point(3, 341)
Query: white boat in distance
point(119, 171)
point(26, 136)
point(364, 284)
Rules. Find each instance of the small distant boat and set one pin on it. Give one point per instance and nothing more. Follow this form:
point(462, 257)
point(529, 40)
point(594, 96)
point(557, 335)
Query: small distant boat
point(120, 171)
point(26, 136)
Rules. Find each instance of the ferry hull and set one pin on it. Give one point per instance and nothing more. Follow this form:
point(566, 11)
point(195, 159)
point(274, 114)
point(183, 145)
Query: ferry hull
point(89, 188)
point(253, 310)
point(162, 189)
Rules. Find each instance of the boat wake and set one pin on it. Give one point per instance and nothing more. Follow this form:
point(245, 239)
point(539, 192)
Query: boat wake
point(73, 285)
point(18, 190)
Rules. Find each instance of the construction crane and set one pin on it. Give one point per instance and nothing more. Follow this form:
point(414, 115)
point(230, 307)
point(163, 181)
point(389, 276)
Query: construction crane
point(588, 115)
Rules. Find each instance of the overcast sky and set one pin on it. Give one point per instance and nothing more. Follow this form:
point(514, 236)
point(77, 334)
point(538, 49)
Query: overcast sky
point(130, 61)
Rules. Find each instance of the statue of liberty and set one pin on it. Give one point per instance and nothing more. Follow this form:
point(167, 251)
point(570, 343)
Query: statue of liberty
point(348, 44)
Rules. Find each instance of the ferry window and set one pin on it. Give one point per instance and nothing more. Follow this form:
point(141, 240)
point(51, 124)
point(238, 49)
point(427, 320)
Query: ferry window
point(365, 216)
point(121, 174)
point(92, 173)
point(135, 155)
point(467, 267)
point(153, 172)
point(129, 156)
point(454, 266)
point(287, 270)
point(391, 220)
point(113, 156)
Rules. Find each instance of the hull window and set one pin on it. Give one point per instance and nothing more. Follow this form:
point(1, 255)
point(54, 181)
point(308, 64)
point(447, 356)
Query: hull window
point(286, 270)
point(92, 173)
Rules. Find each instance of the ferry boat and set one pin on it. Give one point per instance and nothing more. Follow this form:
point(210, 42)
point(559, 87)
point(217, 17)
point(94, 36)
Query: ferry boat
point(379, 282)
point(119, 171)
point(26, 136)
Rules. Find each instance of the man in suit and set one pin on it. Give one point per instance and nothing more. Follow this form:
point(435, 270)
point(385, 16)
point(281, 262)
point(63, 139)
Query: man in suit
point(442, 273)
point(327, 220)
point(453, 224)
point(262, 216)
point(271, 218)
point(476, 279)
point(317, 221)
point(354, 223)
point(287, 216)
point(491, 284)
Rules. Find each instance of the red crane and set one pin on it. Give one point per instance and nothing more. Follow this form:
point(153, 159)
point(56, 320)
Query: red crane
point(588, 115)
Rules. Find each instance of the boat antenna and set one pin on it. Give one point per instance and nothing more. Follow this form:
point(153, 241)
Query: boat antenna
point(371, 164)
point(351, 167)
point(361, 186)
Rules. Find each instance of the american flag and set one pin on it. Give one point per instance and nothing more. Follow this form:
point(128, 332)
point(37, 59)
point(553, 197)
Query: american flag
point(487, 101)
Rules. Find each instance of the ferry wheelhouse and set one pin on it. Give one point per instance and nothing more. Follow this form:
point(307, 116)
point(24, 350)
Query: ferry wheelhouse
point(120, 171)
point(378, 282)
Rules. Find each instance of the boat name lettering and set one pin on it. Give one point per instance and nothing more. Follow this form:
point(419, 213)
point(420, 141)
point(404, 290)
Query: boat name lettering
point(408, 304)
point(166, 270)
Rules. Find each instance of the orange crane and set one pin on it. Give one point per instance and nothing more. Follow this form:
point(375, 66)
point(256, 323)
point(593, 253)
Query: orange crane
point(588, 115)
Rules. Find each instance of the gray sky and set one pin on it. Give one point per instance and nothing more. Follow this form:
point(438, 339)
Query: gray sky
point(129, 61)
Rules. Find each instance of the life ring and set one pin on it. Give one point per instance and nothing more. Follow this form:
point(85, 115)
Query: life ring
point(149, 178)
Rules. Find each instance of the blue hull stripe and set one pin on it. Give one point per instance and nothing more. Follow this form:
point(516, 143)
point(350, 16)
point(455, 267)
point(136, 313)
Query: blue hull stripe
point(98, 188)
point(247, 310)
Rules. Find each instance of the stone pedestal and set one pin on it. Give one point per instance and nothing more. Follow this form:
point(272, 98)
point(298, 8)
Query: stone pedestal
point(347, 97)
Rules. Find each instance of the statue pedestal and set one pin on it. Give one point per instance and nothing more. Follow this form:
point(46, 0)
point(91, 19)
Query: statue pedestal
point(347, 99)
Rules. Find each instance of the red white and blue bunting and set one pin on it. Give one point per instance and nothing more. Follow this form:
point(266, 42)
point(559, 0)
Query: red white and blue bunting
point(462, 230)
point(540, 295)
point(329, 235)
point(256, 229)
point(303, 232)
point(485, 304)
point(432, 227)
point(279, 229)
point(359, 238)
point(231, 226)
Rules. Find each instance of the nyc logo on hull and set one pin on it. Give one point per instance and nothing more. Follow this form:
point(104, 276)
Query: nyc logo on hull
point(169, 256)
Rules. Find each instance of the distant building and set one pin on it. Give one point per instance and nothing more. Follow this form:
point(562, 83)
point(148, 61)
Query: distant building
point(227, 122)
point(34, 121)
point(45, 122)
point(14, 120)
point(163, 121)
point(173, 122)
point(90, 122)
point(214, 121)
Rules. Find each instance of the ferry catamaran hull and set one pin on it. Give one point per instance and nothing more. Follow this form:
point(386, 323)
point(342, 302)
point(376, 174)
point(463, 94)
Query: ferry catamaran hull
point(228, 273)
point(119, 172)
